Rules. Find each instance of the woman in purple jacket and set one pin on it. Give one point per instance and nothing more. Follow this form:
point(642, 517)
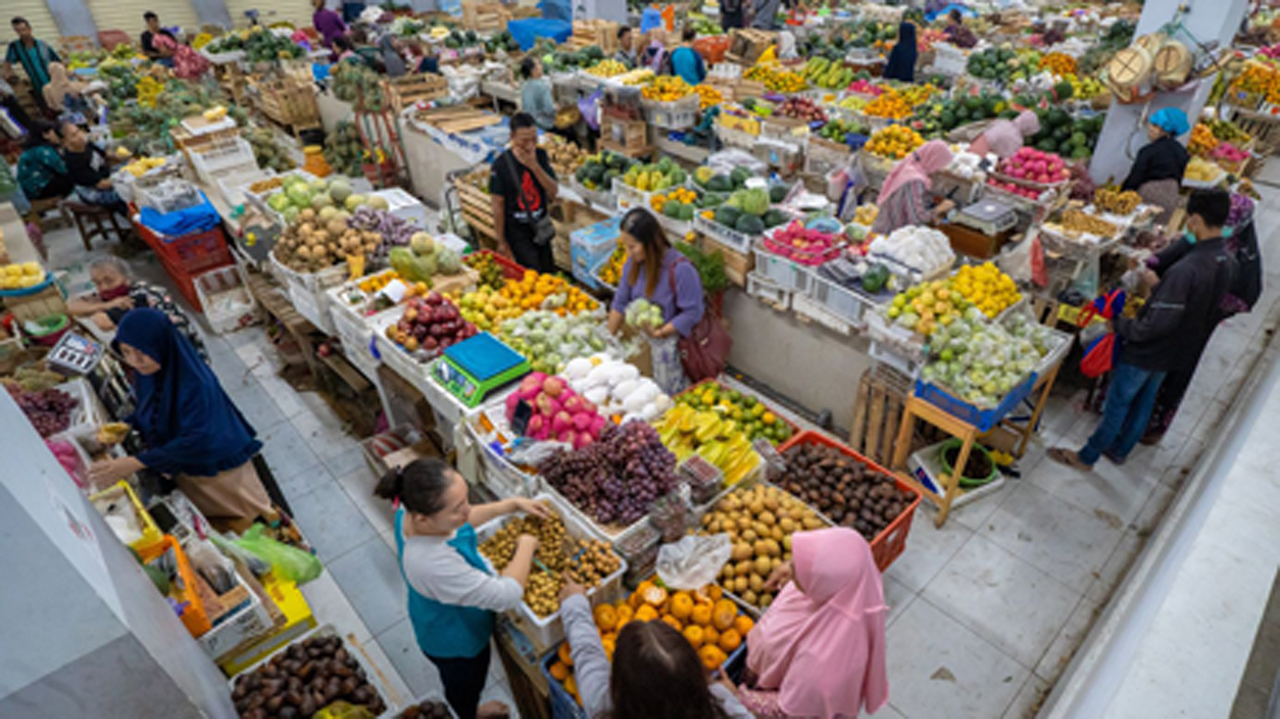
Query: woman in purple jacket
point(328, 23)
point(659, 273)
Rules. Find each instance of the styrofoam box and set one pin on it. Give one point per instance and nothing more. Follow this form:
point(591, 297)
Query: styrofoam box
point(251, 620)
point(225, 315)
point(405, 206)
point(372, 674)
point(548, 631)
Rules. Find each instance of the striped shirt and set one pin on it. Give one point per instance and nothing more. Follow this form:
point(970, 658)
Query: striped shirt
point(34, 60)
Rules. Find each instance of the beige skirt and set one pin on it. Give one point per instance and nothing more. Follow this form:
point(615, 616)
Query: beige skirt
point(235, 497)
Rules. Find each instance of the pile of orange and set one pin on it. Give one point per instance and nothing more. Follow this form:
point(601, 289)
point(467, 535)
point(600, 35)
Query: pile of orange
point(547, 292)
point(894, 142)
point(1202, 140)
point(711, 624)
point(666, 88)
point(891, 104)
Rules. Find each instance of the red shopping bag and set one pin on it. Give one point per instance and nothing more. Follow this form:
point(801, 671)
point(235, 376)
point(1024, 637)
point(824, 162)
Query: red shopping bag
point(1100, 347)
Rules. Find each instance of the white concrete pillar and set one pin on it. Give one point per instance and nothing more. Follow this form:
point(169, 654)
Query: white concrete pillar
point(1125, 130)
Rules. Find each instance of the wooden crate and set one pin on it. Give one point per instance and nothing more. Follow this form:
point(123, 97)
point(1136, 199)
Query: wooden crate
point(289, 102)
point(629, 134)
point(736, 264)
point(747, 45)
point(602, 33)
point(485, 16)
point(882, 394)
point(477, 210)
point(402, 92)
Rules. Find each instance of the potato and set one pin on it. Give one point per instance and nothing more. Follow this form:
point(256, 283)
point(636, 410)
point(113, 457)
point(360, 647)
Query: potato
point(763, 566)
point(741, 551)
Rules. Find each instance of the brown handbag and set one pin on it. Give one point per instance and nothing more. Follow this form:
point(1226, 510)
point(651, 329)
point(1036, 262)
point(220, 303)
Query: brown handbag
point(705, 352)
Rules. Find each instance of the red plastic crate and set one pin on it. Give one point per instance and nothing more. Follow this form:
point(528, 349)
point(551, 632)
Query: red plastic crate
point(510, 269)
point(194, 254)
point(892, 540)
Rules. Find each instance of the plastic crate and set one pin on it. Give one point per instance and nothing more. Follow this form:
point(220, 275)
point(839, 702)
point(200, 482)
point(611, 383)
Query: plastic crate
point(786, 272)
point(677, 115)
point(874, 168)
point(225, 298)
point(983, 419)
point(598, 282)
point(193, 254)
point(892, 540)
point(373, 675)
point(730, 238)
point(219, 158)
point(808, 309)
point(628, 197)
point(241, 626)
point(307, 291)
point(549, 630)
point(844, 302)
point(488, 426)
point(769, 291)
point(123, 491)
point(591, 245)
point(510, 270)
point(193, 616)
point(675, 228)
point(563, 705)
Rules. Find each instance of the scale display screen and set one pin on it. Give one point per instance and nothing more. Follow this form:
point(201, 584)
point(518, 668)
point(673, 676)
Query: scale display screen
point(473, 368)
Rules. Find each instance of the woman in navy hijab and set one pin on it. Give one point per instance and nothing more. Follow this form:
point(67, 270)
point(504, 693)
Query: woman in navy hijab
point(192, 430)
point(902, 59)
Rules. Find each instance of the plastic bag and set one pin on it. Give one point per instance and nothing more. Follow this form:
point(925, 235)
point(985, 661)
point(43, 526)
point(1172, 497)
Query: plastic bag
point(693, 562)
point(287, 562)
point(1016, 261)
point(257, 566)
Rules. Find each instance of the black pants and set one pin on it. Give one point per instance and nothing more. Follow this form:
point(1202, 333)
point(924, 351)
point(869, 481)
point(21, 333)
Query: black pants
point(463, 680)
point(59, 186)
point(535, 257)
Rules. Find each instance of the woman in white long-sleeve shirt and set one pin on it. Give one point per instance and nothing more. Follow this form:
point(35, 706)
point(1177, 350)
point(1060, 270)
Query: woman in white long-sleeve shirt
point(453, 591)
point(659, 674)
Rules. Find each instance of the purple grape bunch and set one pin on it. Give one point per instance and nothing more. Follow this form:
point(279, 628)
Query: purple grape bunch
point(616, 478)
point(48, 410)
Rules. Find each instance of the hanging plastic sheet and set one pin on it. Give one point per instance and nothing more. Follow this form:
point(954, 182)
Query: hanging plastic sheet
point(527, 31)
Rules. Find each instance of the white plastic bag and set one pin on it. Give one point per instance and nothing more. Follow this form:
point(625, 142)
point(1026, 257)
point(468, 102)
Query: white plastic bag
point(693, 562)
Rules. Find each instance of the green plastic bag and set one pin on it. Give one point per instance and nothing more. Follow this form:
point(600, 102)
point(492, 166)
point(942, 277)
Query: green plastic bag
point(289, 563)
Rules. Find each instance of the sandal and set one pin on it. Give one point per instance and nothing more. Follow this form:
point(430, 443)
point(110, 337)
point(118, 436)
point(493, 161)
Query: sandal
point(1069, 457)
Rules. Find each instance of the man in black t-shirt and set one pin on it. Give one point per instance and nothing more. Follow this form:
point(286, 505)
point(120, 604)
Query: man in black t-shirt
point(164, 57)
point(523, 186)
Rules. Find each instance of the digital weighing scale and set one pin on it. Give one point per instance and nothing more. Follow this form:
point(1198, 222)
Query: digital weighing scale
point(476, 366)
point(75, 355)
point(981, 229)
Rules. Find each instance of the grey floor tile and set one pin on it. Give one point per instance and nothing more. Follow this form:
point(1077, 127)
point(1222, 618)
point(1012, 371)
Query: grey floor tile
point(1060, 539)
point(379, 512)
point(928, 549)
point(1117, 567)
point(330, 606)
point(985, 585)
point(257, 407)
point(898, 597)
point(350, 461)
point(286, 451)
point(301, 481)
point(1064, 646)
point(1027, 703)
point(939, 669)
point(399, 693)
point(331, 521)
point(417, 671)
point(370, 577)
point(1108, 492)
point(254, 335)
point(323, 434)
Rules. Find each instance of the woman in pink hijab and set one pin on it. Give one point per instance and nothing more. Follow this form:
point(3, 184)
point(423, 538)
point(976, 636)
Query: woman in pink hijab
point(819, 651)
point(904, 200)
point(1004, 137)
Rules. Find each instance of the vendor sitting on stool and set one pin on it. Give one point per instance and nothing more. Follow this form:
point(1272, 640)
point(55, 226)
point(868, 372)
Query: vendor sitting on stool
point(1157, 171)
point(904, 199)
point(118, 293)
point(659, 273)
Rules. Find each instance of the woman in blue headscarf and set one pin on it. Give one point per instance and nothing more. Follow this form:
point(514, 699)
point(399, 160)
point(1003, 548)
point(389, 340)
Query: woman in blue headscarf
point(192, 430)
point(902, 58)
point(1157, 171)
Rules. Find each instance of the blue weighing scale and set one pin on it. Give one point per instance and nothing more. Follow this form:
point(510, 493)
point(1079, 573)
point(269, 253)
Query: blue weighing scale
point(476, 366)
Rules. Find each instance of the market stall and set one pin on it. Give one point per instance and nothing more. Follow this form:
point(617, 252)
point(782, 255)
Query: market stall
point(929, 331)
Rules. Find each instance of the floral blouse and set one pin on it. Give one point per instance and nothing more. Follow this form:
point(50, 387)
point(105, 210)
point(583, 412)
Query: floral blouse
point(159, 299)
point(37, 167)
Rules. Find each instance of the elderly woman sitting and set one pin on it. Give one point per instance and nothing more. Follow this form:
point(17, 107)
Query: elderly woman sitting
point(117, 293)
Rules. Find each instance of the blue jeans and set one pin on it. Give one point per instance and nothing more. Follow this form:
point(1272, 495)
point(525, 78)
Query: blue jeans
point(1130, 399)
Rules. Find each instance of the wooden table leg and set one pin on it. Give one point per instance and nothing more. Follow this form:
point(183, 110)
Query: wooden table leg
point(902, 447)
point(1045, 388)
point(953, 483)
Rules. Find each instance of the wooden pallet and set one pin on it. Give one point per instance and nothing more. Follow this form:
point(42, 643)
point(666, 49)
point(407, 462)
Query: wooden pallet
point(402, 92)
point(477, 210)
point(602, 33)
point(458, 118)
point(487, 17)
point(288, 102)
point(882, 394)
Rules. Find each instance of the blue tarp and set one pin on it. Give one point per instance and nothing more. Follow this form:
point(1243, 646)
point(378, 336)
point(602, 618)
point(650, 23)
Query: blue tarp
point(527, 31)
point(650, 19)
point(556, 10)
point(965, 11)
point(183, 222)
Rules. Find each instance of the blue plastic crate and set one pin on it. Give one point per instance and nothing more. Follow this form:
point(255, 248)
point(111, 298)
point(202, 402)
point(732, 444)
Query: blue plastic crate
point(563, 705)
point(591, 245)
point(983, 419)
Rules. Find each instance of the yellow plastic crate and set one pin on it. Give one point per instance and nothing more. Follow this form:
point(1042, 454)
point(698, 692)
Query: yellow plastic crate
point(151, 534)
point(298, 621)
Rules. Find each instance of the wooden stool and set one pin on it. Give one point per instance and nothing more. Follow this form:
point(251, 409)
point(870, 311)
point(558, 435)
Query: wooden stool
point(35, 216)
point(96, 221)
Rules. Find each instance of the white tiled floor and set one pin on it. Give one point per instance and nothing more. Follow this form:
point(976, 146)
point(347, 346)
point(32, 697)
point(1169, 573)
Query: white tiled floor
point(985, 612)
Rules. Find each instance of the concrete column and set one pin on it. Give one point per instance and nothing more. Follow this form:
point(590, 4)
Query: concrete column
point(1125, 130)
point(213, 12)
point(73, 18)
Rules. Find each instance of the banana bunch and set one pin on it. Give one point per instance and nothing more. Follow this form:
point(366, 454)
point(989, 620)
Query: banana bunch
point(214, 114)
point(821, 72)
point(143, 165)
point(439, 32)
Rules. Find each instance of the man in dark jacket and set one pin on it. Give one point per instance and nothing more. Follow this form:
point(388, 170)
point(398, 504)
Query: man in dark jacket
point(1170, 330)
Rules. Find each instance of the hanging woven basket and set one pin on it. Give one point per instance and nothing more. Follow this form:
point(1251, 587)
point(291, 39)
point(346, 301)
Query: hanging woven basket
point(1171, 64)
point(1128, 74)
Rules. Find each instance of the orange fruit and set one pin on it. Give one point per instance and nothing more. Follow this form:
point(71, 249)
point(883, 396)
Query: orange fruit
point(743, 624)
point(571, 686)
point(610, 645)
point(712, 657)
point(715, 592)
point(710, 635)
point(606, 618)
point(563, 655)
point(655, 596)
point(723, 615)
point(730, 640)
point(559, 672)
point(672, 622)
point(681, 606)
point(701, 615)
point(624, 613)
point(693, 634)
point(646, 613)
